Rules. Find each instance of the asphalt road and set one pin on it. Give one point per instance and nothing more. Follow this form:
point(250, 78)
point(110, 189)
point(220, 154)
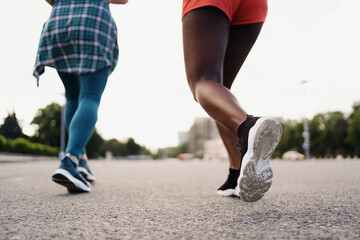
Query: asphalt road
point(176, 200)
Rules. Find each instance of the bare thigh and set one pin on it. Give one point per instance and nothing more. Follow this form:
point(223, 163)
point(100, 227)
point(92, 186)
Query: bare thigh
point(241, 40)
point(213, 49)
point(205, 38)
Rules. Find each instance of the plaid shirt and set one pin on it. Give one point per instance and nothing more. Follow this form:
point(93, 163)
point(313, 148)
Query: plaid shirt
point(79, 37)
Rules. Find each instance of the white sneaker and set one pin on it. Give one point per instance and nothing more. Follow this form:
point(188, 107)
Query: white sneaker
point(259, 139)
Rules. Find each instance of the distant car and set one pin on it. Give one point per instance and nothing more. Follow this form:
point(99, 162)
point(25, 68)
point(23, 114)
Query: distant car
point(293, 155)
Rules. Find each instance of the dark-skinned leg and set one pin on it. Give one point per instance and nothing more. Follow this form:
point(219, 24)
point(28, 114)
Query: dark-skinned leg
point(241, 40)
point(205, 39)
point(205, 35)
point(256, 173)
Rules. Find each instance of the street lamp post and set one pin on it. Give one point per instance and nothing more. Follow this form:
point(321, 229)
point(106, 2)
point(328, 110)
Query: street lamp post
point(306, 135)
point(306, 132)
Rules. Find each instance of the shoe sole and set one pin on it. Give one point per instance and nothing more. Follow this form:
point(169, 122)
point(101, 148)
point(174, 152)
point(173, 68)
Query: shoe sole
point(226, 193)
point(85, 173)
point(65, 179)
point(256, 173)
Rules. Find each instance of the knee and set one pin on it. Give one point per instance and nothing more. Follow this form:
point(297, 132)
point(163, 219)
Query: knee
point(90, 101)
point(197, 84)
point(90, 95)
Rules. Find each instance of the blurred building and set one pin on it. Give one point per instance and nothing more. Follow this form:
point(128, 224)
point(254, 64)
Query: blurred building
point(202, 130)
point(183, 137)
point(214, 149)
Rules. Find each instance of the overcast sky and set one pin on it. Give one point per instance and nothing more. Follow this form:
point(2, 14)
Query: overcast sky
point(147, 96)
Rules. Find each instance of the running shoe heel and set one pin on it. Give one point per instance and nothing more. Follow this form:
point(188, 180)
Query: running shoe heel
point(256, 174)
point(68, 176)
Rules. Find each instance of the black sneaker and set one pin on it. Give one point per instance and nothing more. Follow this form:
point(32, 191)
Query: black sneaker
point(228, 188)
point(259, 138)
point(84, 170)
point(68, 176)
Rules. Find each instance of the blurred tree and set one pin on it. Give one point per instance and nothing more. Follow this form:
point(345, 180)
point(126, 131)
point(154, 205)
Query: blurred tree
point(335, 133)
point(328, 133)
point(11, 128)
point(115, 147)
point(132, 147)
point(47, 122)
point(317, 133)
point(291, 138)
point(175, 151)
point(3, 144)
point(95, 146)
point(122, 149)
point(353, 131)
point(144, 151)
point(356, 108)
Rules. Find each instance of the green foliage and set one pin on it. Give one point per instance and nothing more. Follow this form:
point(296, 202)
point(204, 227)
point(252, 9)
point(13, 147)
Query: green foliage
point(48, 122)
point(291, 139)
point(328, 133)
point(353, 131)
point(132, 147)
point(95, 145)
point(145, 151)
point(3, 144)
point(115, 147)
point(21, 145)
point(356, 108)
point(331, 134)
point(317, 134)
point(11, 128)
point(171, 152)
point(122, 149)
point(336, 133)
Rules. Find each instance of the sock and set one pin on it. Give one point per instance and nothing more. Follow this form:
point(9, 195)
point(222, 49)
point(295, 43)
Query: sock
point(234, 172)
point(231, 180)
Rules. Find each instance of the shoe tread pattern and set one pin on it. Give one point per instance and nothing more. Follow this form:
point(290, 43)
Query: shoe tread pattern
point(71, 187)
point(258, 174)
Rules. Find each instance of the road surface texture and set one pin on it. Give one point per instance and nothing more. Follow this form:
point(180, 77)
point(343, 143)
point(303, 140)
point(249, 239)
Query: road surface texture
point(315, 199)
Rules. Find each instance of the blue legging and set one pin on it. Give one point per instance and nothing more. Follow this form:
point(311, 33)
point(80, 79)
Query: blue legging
point(83, 94)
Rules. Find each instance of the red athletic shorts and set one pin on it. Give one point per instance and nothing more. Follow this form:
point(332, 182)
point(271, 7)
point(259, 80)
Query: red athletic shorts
point(238, 11)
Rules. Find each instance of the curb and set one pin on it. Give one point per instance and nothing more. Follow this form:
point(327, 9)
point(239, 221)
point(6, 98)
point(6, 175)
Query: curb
point(17, 158)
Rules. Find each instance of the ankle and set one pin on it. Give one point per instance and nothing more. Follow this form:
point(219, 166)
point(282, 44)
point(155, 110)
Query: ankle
point(241, 126)
point(234, 172)
point(248, 123)
point(84, 156)
point(75, 158)
point(234, 167)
